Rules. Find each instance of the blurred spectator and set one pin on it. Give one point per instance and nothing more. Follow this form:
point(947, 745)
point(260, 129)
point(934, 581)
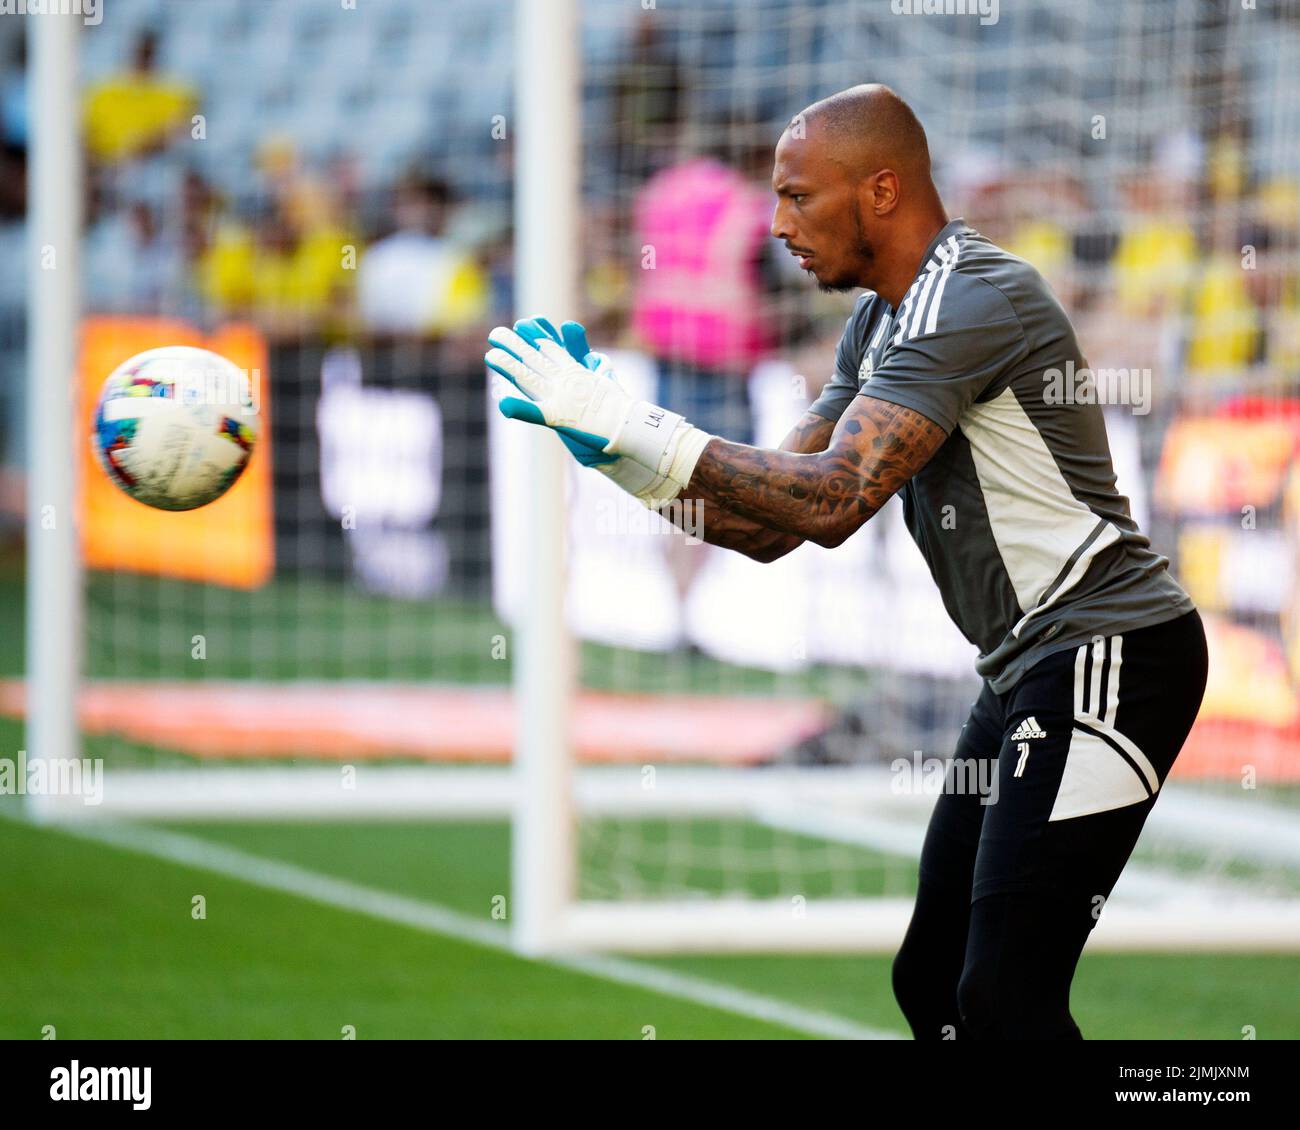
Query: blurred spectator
point(308, 203)
point(293, 271)
point(1274, 238)
point(703, 298)
point(698, 297)
point(1283, 339)
point(649, 97)
point(1041, 206)
point(1157, 252)
point(1139, 300)
point(291, 282)
point(1224, 331)
point(1227, 161)
point(1290, 613)
point(132, 265)
point(13, 184)
point(13, 97)
point(134, 113)
point(343, 175)
point(199, 214)
point(1043, 241)
point(418, 281)
point(13, 236)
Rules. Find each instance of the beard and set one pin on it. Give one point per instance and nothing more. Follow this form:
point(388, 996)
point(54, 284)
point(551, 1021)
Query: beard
point(863, 254)
point(837, 285)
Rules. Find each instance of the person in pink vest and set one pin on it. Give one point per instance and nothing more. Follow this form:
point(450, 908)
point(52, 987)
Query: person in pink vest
point(698, 298)
point(701, 303)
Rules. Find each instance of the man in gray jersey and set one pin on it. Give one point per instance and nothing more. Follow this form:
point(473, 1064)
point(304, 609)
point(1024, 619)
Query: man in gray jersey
point(1093, 657)
point(1015, 513)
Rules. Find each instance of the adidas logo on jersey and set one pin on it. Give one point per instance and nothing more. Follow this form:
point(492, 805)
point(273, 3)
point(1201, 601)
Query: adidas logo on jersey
point(865, 369)
point(1028, 729)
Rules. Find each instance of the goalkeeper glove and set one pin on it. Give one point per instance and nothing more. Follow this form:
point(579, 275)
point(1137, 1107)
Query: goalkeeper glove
point(587, 450)
point(573, 337)
point(587, 406)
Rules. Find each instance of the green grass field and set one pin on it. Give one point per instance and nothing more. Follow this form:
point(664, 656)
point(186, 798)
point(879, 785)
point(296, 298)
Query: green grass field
point(109, 947)
point(389, 928)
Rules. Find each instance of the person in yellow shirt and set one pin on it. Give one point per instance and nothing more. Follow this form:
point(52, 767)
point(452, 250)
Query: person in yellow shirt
point(1154, 264)
point(1275, 283)
point(1284, 332)
point(290, 282)
point(1042, 207)
point(1224, 321)
point(1141, 304)
point(1290, 613)
point(418, 281)
point(134, 113)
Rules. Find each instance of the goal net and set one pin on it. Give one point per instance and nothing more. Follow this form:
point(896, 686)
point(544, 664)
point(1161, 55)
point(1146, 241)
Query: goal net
point(752, 749)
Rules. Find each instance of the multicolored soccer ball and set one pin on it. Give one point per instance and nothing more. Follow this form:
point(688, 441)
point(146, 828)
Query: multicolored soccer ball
point(175, 427)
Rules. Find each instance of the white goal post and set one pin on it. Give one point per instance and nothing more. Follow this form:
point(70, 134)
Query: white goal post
point(547, 70)
point(547, 916)
point(54, 623)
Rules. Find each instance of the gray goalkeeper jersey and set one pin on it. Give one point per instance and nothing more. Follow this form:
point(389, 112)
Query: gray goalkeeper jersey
point(1017, 515)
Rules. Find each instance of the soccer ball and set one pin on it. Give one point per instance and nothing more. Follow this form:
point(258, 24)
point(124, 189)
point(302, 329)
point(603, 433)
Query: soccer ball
point(175, 427)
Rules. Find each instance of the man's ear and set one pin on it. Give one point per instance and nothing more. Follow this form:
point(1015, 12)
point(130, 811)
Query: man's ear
point(882, 192)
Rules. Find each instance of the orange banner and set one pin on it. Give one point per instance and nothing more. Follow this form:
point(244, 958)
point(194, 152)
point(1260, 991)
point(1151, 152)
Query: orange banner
point(228, 542)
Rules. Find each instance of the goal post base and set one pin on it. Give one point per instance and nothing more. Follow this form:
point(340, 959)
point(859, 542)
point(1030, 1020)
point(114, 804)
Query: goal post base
point(877, 926)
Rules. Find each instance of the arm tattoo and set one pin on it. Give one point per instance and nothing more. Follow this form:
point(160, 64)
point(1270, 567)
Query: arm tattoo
point(825, 496)
point(811, 434)
point(710, 519)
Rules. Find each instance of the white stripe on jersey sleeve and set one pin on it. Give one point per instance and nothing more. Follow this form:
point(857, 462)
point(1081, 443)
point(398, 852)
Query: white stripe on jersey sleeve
point(931, 273)
point(918, 294)
point(933, 320)
point(906, 311)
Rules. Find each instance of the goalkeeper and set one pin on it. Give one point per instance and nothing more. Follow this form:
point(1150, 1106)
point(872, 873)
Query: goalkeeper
point(1093, 657)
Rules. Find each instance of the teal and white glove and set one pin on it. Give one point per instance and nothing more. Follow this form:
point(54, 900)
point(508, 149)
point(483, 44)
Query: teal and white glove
point(573, 337)
point(656, 449)
point(587, 450)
